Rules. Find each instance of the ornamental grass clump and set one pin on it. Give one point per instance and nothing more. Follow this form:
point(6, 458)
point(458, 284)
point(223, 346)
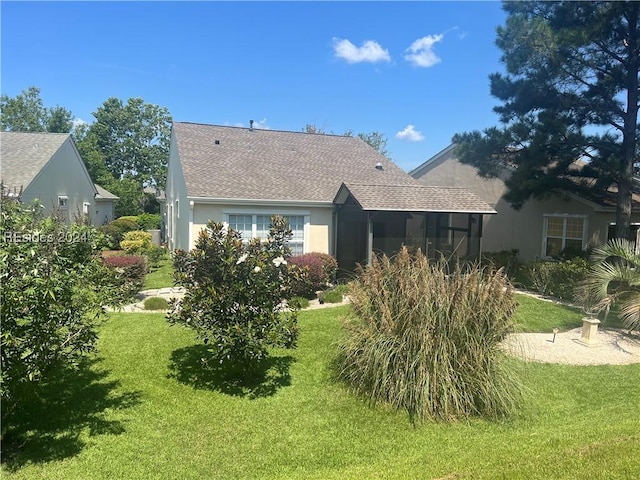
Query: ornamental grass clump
point(425, 338)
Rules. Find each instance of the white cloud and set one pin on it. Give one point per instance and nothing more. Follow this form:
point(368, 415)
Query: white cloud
point(370, 51)
point(77, 122)
point(410, 134)
point(421, 54)
point(261, 124)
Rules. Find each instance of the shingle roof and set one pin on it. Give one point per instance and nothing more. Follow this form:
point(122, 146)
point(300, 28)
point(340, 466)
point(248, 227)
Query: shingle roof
point(240, 163)
point(414, 198)
point(23, 155)
point(104, 194)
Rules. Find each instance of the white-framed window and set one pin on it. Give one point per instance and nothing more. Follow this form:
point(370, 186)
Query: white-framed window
point(63, 202)
point(256, 225)
point(562, 232)
point(85, 208)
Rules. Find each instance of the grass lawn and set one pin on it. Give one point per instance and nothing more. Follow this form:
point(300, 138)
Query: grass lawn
point(145, 408)
point(160, 276)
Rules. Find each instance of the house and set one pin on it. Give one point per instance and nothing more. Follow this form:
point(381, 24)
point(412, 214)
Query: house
point(541, 228)
point(339, 195)
point(48, 167)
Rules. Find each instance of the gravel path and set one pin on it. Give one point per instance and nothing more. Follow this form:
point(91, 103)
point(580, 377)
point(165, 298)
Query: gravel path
point(613, 347)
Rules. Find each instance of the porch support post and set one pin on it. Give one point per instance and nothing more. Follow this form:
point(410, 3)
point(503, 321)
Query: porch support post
point(369, 239)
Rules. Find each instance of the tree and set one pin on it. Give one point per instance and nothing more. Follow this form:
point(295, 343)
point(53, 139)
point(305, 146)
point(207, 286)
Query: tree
point(54, 286)
point(27, 113)
point(375, 139)
point(614, 278)
point(235, 293)
point(570, 94)
point(133, 139)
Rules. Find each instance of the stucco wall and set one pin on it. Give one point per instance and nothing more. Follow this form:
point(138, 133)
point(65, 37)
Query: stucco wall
point(176, 205)
point(64, 175)
point(318, 232)
point(512, 229)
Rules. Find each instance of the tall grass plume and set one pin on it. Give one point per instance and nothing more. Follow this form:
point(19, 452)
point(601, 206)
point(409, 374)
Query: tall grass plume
point(425, 338)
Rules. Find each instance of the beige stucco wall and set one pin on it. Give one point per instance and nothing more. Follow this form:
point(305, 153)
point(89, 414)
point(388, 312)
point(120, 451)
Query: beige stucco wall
point(318, 232)
point(64, 175)
point(513, 229)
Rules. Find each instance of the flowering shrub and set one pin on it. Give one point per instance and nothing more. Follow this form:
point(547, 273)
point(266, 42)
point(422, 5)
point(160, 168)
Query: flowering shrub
point(234, 293)
point(54, 287)
point(319, 271)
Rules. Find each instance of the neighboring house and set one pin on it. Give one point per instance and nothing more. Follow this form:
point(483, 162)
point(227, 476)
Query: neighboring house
point(48, 167)
point(105, 201)
point(542, 228)
point(339, 194)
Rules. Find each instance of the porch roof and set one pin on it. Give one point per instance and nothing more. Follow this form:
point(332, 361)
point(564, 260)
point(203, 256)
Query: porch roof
point(413, 198)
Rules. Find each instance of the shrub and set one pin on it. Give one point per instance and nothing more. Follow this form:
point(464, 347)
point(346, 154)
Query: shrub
point(320, 271)
point(426, 338)
point(556, 278)
point(155, 255)
point(298, 302)
point(155, 303)
point(136, 242)
point(331, 296)
point(131, 270)
point(505, 259)
point(149, 221)
point(116, 230)
point(235, 292)
point(53, 289)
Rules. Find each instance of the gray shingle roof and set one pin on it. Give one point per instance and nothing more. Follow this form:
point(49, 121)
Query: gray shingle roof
point(414, 198)
point(104, 194)
point(239, 163)
point(23, 155)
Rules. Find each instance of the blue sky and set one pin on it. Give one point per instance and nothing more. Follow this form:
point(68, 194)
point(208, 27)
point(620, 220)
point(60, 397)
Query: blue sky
point(415, 71)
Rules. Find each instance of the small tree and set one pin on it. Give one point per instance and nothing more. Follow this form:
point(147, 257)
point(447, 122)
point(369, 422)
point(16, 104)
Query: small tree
point(614, 278)
point(235, 293)
point(53, 288)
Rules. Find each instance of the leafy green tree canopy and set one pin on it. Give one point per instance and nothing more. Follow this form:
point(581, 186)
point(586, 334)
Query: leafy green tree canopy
point(26, 113)
point(569, 113)
point(133, 139)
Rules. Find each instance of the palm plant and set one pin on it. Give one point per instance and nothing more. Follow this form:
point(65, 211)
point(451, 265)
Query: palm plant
point(614, 278)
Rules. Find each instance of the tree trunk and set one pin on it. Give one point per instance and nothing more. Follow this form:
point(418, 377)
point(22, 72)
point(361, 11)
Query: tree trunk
point(625, 182)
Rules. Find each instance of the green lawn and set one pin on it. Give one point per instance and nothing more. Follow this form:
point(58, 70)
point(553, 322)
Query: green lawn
point(160, 276)
point(145, 408)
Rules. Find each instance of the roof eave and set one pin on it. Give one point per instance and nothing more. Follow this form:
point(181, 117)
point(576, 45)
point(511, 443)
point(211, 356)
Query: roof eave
point(259, 201)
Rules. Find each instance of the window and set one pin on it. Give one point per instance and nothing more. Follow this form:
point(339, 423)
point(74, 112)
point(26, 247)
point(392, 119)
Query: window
point(85, 208)
point(257, 226)
point(63, 202)
point(563, 232)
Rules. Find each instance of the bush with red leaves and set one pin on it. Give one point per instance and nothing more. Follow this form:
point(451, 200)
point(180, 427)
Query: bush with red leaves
point(320, 270)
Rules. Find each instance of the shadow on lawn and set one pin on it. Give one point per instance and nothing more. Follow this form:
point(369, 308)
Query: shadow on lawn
point(48, 422)
point(189, 365)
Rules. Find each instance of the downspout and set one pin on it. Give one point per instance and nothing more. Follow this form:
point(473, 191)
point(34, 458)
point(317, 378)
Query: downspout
point(191, 205)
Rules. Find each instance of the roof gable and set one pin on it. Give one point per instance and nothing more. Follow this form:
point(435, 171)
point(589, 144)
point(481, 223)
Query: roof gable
point(241, 163)
point(24, 155)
